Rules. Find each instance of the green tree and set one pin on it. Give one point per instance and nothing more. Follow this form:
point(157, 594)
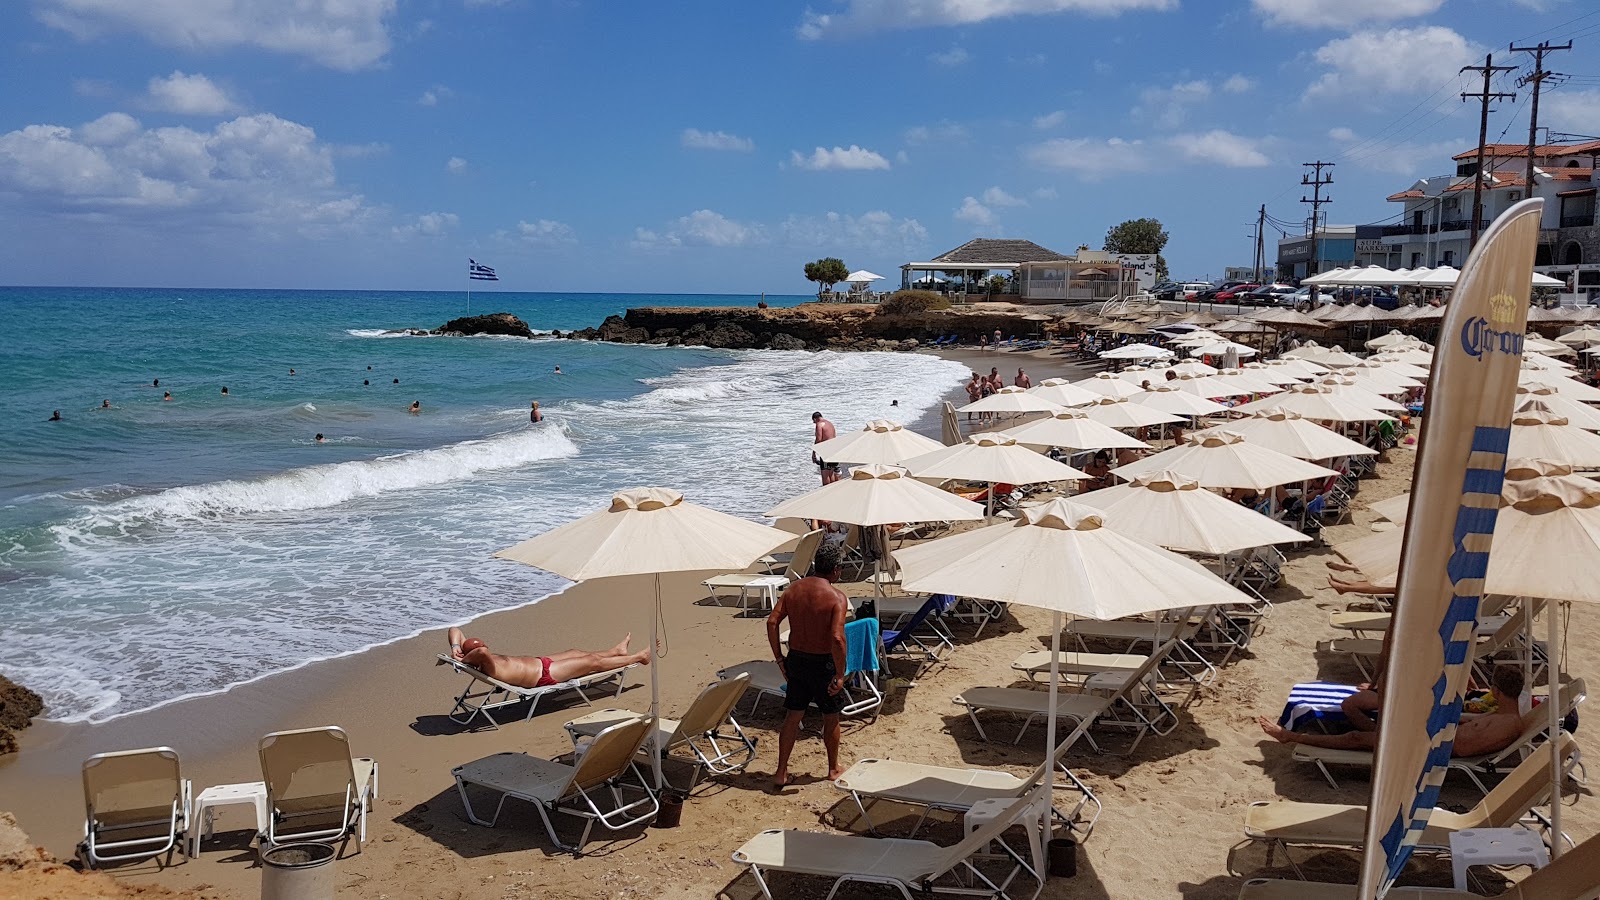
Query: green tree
point(996, 284)
point(1139, 236)
point(826, 272)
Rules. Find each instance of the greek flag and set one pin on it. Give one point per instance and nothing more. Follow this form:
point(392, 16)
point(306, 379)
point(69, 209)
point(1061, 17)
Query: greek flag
point(480, 273)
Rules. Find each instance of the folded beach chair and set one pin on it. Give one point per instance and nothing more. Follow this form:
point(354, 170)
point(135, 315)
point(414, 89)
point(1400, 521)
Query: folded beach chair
point(799, 566)
point(137, 804)
point(1130, 692)
point(862, 663)
point(590, 789)
point(1132, 633)
point(1535, 724)
point(484, 694)
point(316, 791)
point(906, 865)
point(1283, 823)
point(1575, 876)
point(1364, 652)
point(700, 731)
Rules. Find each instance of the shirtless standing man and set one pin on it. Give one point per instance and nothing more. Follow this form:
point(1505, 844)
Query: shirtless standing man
point(825, 431)
point(815, 664)
point(1487, 733)
point(541, 671)
point(1022, 380)
point(974, 392)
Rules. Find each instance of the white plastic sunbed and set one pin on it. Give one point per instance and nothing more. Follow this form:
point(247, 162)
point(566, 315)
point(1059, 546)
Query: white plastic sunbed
point(137, 804)
point(496, 694)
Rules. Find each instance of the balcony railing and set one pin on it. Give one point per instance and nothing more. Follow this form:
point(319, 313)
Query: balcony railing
point(1584, 221)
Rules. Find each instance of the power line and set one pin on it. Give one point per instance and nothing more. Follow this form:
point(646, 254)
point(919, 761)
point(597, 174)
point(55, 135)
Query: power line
point(1484, 96)
point(1535, 78)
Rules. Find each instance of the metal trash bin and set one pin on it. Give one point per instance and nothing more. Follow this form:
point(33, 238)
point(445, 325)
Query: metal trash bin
point(298, 872)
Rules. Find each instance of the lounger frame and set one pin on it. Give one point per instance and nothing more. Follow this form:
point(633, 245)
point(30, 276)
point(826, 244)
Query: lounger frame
point(496, 694)
point(173, 817)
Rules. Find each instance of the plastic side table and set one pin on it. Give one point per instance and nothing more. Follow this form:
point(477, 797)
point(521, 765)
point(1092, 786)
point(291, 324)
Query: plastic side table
point(254, 793)
point(1494, 847)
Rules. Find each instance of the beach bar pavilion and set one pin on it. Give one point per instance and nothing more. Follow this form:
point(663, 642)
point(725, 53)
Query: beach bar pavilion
point(1036, 274)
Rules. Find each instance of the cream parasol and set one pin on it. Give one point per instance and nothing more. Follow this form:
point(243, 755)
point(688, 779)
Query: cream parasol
point(1169, 397)
point(1221, 348)
point(1108, 385)
point(1577, 414)
point(1586, 334)
point(648, 531)
point(1346, 388)
point(880, 441)
point(1175, 512)
point(995, 458)
point(1011, 400)
point(1209, 386)
point(1292, 434)
point(1074, 430)
point(1136, 350)
point(1393, 339)
point(1224, 459)
point(1122, 413)
point(1317, 403)
point(1062, 392)
point(1253, 381)
point(1538, 433)
point(1193, 367)
point(1570, 388)
point(1300, 368)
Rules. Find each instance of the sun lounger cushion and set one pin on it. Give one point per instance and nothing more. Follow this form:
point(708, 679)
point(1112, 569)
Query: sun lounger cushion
point(818, 853)
point(928, 785)
point(1037, 662)
point(1333, 823)
point(1316, 701)
point(1031, 702)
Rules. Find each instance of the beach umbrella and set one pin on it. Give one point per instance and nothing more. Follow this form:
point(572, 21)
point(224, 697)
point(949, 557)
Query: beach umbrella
point(1207, 386)
point(1348, 389)
point(862, 276)
point(1129, 328)
point(1062, 392)
point(1557, 347)
point(1542, 280)
point(1317, 403)
point(1251, 380)
point(1332, 276)
point(880, 441)
point(1193, 367)
point(1011, 400)
point(1221, 348)
point(1242, 326)
point(1570, 388)
point(994, 458)
point(1224, 459)
point(1282, 372)
point(1136, 351)
point(1119, 412)
point(1370, 276)
point(1424, 314)
point(949, 426)
point(1074, 430)
point(1393, 339)
point(1416, 356)
point(1379, 381)
point(1542, 316)
point(1059, 556)
point(1170, 398)
point(1289, 318)
point(1577, 414)
point(1540, 361)
point(1538, 433)
point(874, 496)
point(1389, 362)
point(1173, 511)
point(1290, 433)
point(1201, 318)
point(1108, 385)
point(648, 531)
point(1442, 276)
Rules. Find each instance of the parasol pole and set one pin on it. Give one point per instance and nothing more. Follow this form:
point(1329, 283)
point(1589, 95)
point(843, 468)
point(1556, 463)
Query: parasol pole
point(1047, 783)
point(655, 690)
point(1552, 610)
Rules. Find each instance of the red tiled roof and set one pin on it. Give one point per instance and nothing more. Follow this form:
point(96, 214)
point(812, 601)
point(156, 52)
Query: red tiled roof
point(1521, 150)
point(1570, 174)
point(1412, 194)
point(1576, 193)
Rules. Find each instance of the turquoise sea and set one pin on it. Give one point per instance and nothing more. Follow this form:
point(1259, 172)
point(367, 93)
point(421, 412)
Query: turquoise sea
point(159, 549)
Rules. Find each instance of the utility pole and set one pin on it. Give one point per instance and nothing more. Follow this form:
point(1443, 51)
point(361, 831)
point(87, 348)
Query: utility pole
point(1315, 182)
point(1261, 232)
point(1535, 78)
point(1484, 96)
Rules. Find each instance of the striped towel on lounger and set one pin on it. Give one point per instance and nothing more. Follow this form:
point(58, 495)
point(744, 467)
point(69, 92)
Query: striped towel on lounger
point(1317, 701)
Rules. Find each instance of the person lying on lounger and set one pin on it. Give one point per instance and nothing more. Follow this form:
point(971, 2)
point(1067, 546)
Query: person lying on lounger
point(1488, 733)
point(541, 671)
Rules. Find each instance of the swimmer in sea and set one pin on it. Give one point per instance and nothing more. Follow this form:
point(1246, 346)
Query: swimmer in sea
point(416, 407)
point(397, 381)
point(156, 383)
point(166, 395)
point(105, 404)
point(534, 415)
point(291, 371)
point(55, 416)
point(224, 391)
point(558, 370)
point(366, 382)
point(320, 438)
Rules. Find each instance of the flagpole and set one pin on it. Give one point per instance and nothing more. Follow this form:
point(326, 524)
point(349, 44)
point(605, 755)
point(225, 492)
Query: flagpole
point(469, 287)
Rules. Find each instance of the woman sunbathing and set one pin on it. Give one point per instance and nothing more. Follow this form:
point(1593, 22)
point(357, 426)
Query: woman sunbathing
point(542, 671)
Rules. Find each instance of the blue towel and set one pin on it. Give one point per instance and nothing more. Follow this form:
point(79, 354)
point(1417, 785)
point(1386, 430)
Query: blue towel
point(1316, 700)
point(861, 646)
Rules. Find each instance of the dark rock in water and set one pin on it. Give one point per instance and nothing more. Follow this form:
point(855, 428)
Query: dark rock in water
point(493, 323)
point(18, 706)
point(729, 335)
point(781, 341)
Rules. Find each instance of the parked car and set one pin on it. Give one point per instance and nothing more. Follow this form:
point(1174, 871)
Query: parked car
point(1192, 288)
point(1268, 294)
point(1362, 296)
point(1300, 299)
point(1237, 292)
point(1167, 291)
point(1209, 294)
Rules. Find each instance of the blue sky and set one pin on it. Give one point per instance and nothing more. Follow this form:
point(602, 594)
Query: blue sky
point(715, 147)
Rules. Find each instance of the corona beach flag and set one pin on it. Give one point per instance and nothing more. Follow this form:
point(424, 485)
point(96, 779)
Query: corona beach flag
point(1455, 498)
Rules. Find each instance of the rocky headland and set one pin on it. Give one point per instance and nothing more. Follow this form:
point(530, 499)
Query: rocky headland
point(18, 706)
point(813, 326)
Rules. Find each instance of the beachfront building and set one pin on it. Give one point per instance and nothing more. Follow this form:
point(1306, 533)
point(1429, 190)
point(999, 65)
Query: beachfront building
point(1335, 246)
point(1034, 274)
point(1435, 226)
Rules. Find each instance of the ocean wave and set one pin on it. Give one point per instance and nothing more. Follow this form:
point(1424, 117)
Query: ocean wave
point(315, 487)
point(381, 333)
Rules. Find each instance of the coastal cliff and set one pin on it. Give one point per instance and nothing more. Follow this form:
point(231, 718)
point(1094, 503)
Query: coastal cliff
point(18, 706)
point(813, 326)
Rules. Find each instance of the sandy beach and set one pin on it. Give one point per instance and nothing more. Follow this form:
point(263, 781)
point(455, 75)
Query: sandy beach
point(1171, 827)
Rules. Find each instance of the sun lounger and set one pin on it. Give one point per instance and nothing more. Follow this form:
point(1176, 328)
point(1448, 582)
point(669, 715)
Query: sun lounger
point(860, 681)
point(1282, 823)
point(316, 791)
point(906, 865)
point(1575, 876)
point(1036, 663)
point(137, 804)
point(902, 639)
point(799, 566)
point(700, 731)
point(590, 789)
point(492, 693)
point(1134, 632)
point(1536, 724)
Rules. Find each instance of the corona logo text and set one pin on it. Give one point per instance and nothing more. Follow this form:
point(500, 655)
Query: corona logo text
point(1502, 309)
point(1478, 338)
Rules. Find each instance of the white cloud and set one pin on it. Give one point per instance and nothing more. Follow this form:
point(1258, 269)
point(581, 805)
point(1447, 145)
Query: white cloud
point(1407, 159)
point(876, 232)
point(701, 228)
point(256, 172)
point(188, 95)
point(1169, 106)
point(695, 139)
point(435, 95)
point(1342, 134)
point(455, 165)
point(1050, 120)
point(1577, 110)
point(996, 197)
point(1238, 84)
point(976, 213)
point(863, 16)
point(955, 56)
point(839, 158)
point(1364, 65)
point(428, 225)
point(1045, 193)
point(939, 133)
point(340, 34)
point(545, 232)
point(1221, 147)
point(1341, 13)
point(1091, 159)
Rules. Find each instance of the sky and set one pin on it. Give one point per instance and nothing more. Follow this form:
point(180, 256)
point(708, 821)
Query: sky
point(717, 147)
